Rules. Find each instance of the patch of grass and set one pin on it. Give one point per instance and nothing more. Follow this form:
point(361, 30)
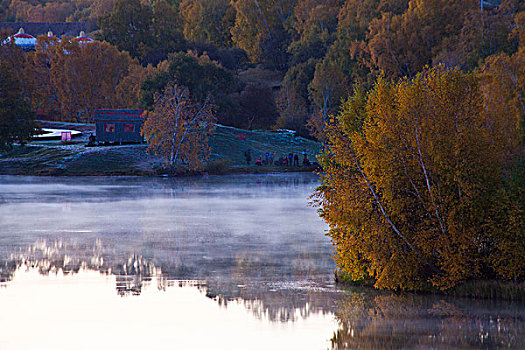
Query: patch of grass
point(33, 160)
point(115, 161)
point(228, 145)
point(232, 143)
point(260, 75)
point(219, 166)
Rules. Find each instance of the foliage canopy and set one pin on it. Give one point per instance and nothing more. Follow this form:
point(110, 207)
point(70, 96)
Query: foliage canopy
point(412, 177)
point(178, 129)
point(17, 121)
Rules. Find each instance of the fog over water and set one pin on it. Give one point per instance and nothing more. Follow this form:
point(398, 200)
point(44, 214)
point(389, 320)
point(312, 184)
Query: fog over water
point(218, 262)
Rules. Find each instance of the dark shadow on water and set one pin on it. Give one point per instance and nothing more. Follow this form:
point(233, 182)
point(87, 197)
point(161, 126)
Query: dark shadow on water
point(373, 320)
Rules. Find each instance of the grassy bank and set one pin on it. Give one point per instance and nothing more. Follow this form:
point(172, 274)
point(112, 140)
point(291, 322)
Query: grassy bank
point(228, 148)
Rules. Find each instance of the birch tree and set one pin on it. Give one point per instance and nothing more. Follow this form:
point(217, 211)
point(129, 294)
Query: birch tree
point(261, 29)
point(178, 129)
point(412, 185)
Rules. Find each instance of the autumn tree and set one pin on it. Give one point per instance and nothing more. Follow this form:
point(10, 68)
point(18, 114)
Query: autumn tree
point(45, 96)
point(315, 24)
point(53, 10)
point(261, 29)
point(19, 64)
point(86, 77)
point(503, 81)
point(401, 45)
point(128, 91)
point(327, 89)
point(208, 20)
point(178, 129)
point(412, 170)
point(483, 33)
point(17, 121)
point(350, 50)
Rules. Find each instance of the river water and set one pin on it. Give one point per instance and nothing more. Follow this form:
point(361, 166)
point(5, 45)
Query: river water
point(226, 262)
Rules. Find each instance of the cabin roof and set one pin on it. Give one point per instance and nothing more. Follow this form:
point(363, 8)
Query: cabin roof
point(118, 115)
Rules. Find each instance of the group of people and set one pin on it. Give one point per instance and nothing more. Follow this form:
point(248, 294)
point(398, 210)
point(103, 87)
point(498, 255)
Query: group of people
point(284, 160)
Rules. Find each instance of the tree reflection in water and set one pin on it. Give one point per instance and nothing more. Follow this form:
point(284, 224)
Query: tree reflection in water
point(250, 280)
point(369, 320)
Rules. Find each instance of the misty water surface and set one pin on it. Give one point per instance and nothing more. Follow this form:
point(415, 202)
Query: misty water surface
point(230, 262)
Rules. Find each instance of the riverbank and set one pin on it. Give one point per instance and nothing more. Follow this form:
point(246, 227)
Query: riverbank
point(54, 158)
point(478, 289)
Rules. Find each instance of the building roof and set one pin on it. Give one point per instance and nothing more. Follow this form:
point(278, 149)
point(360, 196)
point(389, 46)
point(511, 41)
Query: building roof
point(83, 39)
point(118, 115)
point(59, 29)
point(22, 39)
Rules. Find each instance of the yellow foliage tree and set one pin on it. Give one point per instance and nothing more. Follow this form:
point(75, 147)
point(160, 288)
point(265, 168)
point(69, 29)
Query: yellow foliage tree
point(178, 129)
point(411, 171)
point(72, 79)
point(503, 79)
point(129, 88)
point(261, 28)
point(86, 77)
point(206, 20)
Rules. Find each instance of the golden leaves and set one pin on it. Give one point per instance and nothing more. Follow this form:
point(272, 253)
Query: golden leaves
point(178, 129)
point(411, 171)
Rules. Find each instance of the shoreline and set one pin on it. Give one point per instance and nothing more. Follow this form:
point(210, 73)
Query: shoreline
point(228, 146)
point(126, 160)
point(474, 289)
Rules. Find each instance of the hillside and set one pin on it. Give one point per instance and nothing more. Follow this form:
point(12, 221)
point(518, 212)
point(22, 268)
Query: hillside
point(228, 147)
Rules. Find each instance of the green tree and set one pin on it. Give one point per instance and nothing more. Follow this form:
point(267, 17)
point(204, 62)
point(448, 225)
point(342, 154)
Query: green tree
point(199, 74)
point(167, 27)
point(128, 26)
point(299, 77)
point(292, 111)
point(17, 121)
point(327, 89)
point(257, 107)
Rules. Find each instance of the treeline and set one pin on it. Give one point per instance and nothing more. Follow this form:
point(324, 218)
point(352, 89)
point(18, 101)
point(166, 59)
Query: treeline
point(69, 80)
point(319, 50)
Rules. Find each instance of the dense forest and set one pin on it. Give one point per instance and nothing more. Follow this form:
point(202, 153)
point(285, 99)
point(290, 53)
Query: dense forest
point(420, 104)
point(271, 63)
